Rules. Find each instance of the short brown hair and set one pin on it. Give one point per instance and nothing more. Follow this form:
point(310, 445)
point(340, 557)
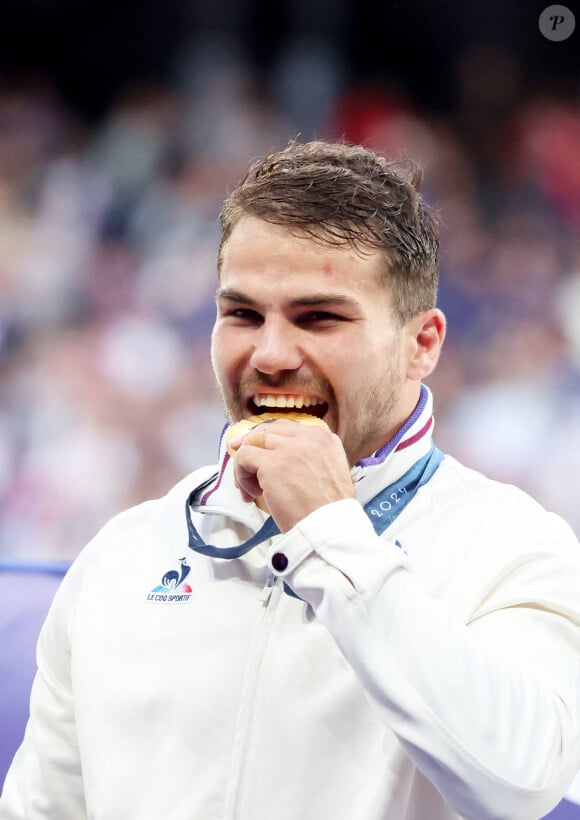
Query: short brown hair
point(340, 194)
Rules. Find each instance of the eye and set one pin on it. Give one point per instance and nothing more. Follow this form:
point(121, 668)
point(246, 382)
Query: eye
point(319, 317)
point(243, 315)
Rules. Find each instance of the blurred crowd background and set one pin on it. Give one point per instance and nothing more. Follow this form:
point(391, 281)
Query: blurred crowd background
point(113, 166)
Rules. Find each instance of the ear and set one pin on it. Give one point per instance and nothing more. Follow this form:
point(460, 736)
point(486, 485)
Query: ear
point(426, 333)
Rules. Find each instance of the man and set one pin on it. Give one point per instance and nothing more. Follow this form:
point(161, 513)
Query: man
point(336, 621)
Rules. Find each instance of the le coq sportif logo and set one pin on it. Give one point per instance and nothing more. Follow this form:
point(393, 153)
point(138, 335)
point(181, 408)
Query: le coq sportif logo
point(173, 588)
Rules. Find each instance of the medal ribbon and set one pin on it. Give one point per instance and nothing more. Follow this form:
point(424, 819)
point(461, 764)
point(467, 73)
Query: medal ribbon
point(382, 510)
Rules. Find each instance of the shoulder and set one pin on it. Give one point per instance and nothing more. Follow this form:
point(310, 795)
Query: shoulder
point(472, 488)
point(485, 545)
point(500, 522)
point(131, 540)
point(128, 533)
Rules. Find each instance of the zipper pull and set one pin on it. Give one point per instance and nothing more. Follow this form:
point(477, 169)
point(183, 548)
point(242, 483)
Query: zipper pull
point(266, 592)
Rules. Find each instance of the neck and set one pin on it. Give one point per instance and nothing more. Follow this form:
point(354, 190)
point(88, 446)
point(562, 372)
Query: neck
point(408, 418)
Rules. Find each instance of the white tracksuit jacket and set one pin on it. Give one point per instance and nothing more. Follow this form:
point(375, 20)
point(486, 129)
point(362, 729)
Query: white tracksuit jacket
point(426, 674)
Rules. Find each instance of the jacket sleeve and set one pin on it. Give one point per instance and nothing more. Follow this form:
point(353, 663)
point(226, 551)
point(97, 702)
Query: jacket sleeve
point(45, 780)
point(486, 706)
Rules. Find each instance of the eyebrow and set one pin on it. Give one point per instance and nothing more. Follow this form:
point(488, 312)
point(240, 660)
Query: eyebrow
point(313, 299)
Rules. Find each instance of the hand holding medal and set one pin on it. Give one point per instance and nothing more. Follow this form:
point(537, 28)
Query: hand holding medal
point(289, 464)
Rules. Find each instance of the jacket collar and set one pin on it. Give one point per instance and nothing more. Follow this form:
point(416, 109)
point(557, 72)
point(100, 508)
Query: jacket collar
point(410, 443)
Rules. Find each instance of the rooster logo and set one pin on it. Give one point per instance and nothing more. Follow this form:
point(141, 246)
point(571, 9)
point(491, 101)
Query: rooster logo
point(174, 580)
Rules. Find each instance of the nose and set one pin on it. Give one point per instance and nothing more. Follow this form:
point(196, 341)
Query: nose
point(276, 348)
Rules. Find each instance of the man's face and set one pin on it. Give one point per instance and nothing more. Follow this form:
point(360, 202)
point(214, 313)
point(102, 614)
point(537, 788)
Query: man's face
point(303, 325)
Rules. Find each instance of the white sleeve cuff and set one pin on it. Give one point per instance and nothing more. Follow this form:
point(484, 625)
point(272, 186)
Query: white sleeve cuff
point(340, 536)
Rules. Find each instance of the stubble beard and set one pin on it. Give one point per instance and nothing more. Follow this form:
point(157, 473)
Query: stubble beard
point(366, 420)
point(367, 431)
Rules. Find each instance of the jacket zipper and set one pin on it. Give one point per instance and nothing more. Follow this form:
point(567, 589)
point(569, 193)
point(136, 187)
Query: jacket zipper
point(268, 598)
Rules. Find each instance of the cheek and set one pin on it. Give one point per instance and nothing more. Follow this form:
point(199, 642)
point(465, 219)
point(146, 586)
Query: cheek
point(214, 349)
point(219, 357)
point(370, 366)
point(358, 360)
point(227, 353)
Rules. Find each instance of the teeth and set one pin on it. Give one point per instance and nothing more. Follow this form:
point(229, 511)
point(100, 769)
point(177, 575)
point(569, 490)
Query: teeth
point(269, 400)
